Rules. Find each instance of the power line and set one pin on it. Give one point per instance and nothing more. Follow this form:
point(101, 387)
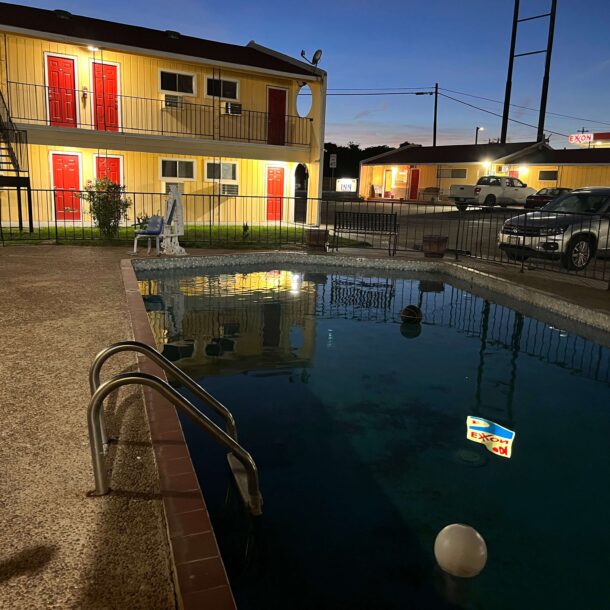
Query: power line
point(380, 89)
point(387, 93)
point(499, 115)
point(565, 116)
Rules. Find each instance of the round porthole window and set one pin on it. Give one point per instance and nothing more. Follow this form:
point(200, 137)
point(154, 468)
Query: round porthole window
point(304, 101)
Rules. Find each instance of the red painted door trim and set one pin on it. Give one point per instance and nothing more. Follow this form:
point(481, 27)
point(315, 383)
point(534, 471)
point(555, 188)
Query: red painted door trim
point(108, 167)
point(276, 116)
point(105, 96)
point(61, 91)
point(275, 192)
point(66, 184)
point(413, 189)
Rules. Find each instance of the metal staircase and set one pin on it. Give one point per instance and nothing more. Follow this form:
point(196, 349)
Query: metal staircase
point(14, 170)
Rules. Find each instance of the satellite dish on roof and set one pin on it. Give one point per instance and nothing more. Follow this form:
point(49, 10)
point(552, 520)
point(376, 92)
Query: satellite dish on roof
point(317, 56)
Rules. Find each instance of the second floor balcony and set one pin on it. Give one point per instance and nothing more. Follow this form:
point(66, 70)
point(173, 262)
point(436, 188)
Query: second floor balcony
point(169, 116)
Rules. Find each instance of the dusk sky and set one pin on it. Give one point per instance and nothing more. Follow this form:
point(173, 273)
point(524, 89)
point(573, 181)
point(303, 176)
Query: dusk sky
point(368, 44)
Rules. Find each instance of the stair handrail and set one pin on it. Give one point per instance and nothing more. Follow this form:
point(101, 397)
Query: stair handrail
point(96, 403)
point(11, 134)
point(169, 367)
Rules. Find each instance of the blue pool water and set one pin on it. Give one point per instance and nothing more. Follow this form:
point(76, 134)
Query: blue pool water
point(358, 426)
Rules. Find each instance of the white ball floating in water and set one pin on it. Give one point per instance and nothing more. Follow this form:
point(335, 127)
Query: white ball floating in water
point(460, 550)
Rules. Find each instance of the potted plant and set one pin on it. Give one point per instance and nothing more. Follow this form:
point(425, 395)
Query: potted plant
point(435, 246)
point(108, 205)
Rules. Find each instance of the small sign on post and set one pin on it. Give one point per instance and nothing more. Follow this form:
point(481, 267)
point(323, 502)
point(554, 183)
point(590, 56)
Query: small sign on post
point(332, 161)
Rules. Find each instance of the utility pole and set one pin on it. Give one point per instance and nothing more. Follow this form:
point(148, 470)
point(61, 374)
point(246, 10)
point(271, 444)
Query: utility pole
point(509, 76)
point(435, 113)
point(547, 70)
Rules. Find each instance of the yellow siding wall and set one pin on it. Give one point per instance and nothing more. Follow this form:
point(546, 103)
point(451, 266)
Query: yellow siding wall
point(142, 174)
point(139, 78)
point(568, 176)
point(139, 74)
point(576, 177)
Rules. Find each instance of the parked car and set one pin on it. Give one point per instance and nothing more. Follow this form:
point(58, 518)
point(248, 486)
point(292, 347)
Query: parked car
point(573, 228)
point(490, 191)
point(544, 196)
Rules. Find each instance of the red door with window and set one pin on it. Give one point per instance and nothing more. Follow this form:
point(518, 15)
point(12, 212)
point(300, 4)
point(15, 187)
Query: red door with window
point(414, 184)
point(275, 192)
point(66, 182)
point(108, 167)
point(61, 91)
point(105, 97)
point(276, 117)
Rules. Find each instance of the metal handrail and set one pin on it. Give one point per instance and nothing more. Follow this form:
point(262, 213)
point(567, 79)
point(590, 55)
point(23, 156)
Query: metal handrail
point(169, 367)
point(254, 499)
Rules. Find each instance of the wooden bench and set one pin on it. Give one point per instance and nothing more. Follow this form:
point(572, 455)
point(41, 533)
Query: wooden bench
point(367, 222)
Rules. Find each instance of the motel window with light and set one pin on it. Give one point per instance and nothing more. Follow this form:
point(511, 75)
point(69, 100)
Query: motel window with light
point(224, 172)
point(547, 174)
point(449, 172)
point(177, 169)
point(177, 83)
point(225, 89)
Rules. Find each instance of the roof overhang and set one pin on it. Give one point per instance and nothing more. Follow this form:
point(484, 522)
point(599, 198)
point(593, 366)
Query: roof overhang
point(154, 53)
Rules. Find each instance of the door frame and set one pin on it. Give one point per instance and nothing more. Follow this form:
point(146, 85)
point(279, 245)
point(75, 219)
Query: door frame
point(411, 170)
point(285, 113)
point(80, 179)
point(383, 189)
point(118, 88)
point(96, 156)
point(77, 91)
point(286, 208)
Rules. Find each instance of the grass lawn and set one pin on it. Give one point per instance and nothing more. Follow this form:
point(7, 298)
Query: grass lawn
point(229, 236)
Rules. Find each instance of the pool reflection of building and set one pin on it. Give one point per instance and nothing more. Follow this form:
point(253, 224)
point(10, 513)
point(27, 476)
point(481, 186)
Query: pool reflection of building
point(269, 318)
point(233, 322)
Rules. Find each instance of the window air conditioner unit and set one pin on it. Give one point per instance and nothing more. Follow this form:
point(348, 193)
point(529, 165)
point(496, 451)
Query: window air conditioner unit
point(173, 101)
point(231, 108)
point(230, 190)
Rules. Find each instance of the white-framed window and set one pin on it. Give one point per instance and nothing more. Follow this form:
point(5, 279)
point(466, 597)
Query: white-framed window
point(225, 172)
point(177, 83)
point(452, 172)
point(226, 89)
point(177, 170)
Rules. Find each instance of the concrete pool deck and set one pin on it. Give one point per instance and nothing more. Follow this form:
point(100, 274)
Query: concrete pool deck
point(61, 305)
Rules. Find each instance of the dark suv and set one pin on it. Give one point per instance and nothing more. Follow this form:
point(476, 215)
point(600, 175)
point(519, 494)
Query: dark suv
point(573, 228)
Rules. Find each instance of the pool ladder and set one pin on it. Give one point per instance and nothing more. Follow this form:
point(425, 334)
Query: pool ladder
point(240, 461)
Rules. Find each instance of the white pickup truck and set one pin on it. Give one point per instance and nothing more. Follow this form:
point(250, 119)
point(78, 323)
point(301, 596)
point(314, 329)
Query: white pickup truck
point(490, 191)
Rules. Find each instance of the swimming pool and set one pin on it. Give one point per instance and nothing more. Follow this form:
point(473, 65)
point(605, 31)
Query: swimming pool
point(357, 424)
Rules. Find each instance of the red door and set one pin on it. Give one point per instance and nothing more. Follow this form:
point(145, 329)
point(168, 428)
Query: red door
point(414, 184)
point(275, 192)
point(62, 94)
point(105, 97)
point(66, 180)
point(276, 117)
point(108, 167)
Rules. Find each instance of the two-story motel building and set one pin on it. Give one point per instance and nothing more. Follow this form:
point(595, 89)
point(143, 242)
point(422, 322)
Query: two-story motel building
point(151, 108)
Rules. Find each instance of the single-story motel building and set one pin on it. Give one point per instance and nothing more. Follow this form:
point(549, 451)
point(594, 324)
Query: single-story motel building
point(427, 172)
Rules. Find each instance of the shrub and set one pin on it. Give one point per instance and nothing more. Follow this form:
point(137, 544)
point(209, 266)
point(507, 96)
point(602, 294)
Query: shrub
point(108, 205)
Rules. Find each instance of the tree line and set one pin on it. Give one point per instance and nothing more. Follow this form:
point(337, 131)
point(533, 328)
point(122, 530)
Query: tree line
point(350, 156)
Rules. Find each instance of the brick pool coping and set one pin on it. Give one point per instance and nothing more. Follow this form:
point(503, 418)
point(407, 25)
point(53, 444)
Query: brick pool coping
point(199, 574)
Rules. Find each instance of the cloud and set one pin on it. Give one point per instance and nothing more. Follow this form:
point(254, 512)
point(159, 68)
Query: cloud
point(373, 133)
point(383, 107)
